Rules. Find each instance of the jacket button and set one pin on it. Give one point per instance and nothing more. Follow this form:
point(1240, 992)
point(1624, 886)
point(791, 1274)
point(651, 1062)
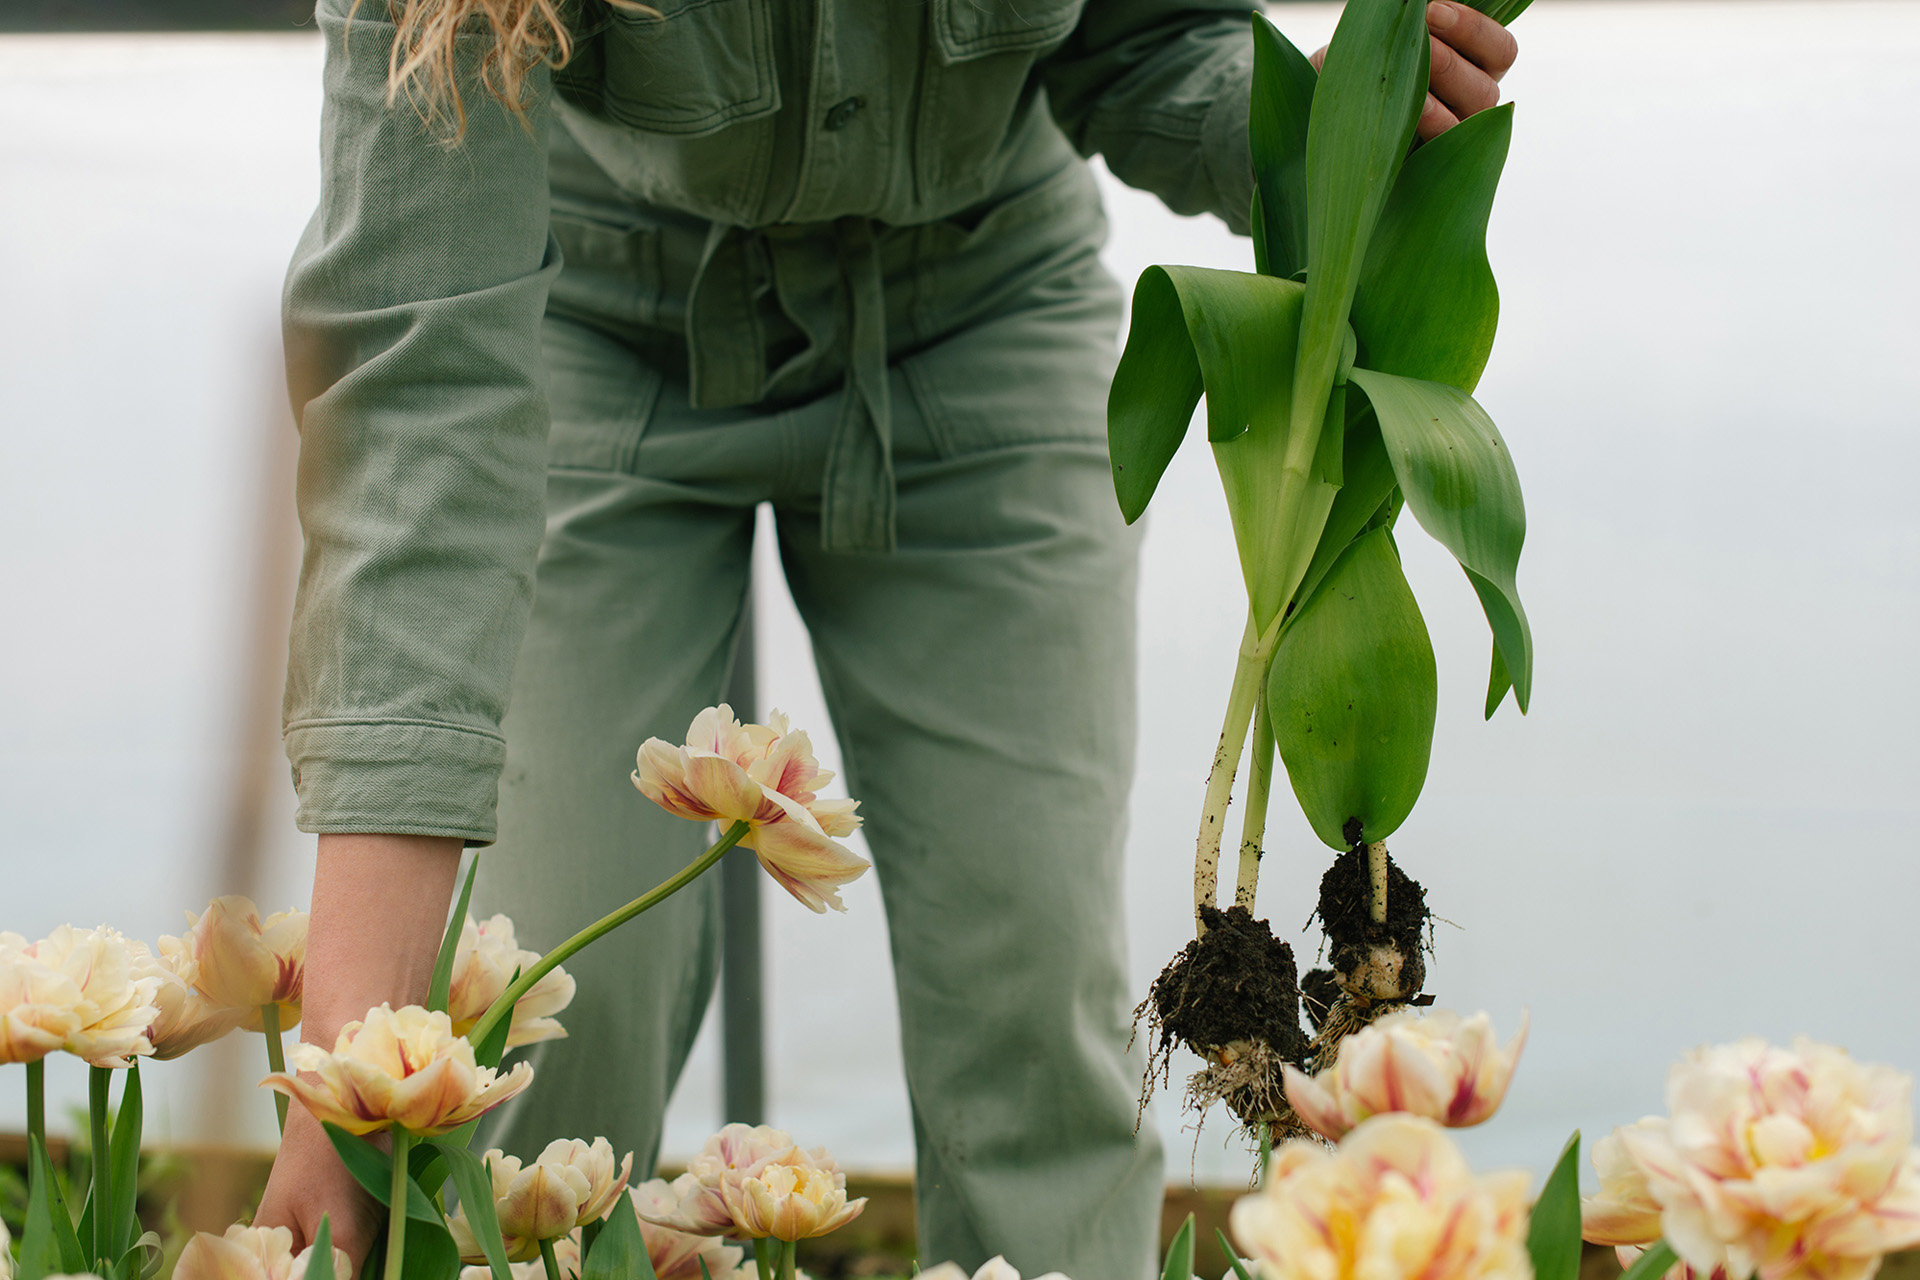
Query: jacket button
point(840, 113)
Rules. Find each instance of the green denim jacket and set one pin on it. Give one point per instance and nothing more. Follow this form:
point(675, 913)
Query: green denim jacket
point(414, 301)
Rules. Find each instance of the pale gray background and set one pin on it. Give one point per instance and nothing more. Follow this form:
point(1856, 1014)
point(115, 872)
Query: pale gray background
point(1708, 255)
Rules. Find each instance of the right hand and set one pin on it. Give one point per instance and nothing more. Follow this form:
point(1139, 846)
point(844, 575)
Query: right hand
point(379, 910)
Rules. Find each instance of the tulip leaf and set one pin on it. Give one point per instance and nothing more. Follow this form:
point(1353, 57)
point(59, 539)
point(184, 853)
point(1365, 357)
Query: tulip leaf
point(1180, 1254)
point(1155, 388)
point(148, 1253)
point(1369, 484)
point(1553, 1231)
point(1368, 100)
point(1352, 696)
point(372, 1168)
point(704, 1273)
point(320, 1263)
point(439, 993)
point(1233, 1259)
point(123, 1164)
point(1501, 11)
point(1654, 1263)
point(619, 1253)
point(1427, 305)
point(48, 1245)
point(474, 1181)
point(1499, 683)
point(1460, 481)
point(430, 1252)
point(1283, 84)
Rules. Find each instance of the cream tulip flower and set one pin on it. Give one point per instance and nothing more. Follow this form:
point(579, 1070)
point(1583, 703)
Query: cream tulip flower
point(995, 1268)
point(240, 961)
point(186, 1019)
point(677, 1255)
point(699, 1204)
point(1437, 1064)
point(112, 1007)
point(39, 1005)
point(485, 961)
point(765, 776)
point(571, 1184)
point(399, 1068)
point(250, 1253)
point(1396, 1201)
point(1771, 1162)
point(790, 1197)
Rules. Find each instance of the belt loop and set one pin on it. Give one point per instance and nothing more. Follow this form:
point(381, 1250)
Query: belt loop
point(857, 494)
point(726, 349)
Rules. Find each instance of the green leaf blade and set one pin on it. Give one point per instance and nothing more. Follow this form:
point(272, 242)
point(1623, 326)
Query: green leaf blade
point(1426, 305)
point(1155, 389)
point(1282, 104)
point(442, 986)
point(123, 1161)
point(372, 1168)
point(1461, 483)
point(1353, 694)
point(475, 1184)
point(320, 1265)
point(1179, 1263)
point(619, 1253)
point(1233, 1259)
point(1553, 1231)
point(48, 1245)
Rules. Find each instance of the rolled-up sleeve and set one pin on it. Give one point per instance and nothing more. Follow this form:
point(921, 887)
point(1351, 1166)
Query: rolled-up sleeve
point(412, 313)
point(1160, 89)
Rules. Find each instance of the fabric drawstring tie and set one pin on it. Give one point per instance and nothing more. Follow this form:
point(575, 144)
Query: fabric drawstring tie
point(726, 349)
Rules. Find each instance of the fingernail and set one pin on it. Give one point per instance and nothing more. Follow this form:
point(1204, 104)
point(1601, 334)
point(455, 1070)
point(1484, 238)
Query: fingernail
point(1441, 17)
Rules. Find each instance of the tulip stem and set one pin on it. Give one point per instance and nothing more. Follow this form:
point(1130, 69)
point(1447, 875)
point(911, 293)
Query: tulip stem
point(503, 1006)
point(99, 1086)
point(547, 1259)
point(1249, 674)
point(1377, 881)
point(276, 1057)
point(37, 1099)
point(397, 1204)
point(764, 1260)
point(787, 1249)
point(1253, 829)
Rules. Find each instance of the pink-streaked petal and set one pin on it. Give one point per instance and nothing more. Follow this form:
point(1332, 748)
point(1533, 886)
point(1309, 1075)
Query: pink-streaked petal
point(1314, 1105)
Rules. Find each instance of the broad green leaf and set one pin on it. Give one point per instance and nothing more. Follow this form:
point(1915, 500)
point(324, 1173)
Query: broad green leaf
point(1654, 1263)
point(372, 1168)
point(619, 1253)
point(1553, 1232)
point(1257, 228)
point(142, 1259)
point(475, 1185)
point(1233, 1259)
point(1154, 391)
point(320, 1263)
point(1180, 1254)
point(48, 1245)
point(442, 985)
point(1499, 683)
point(1371, 88)
point(1283, 85)
point(1501, 11)
point(1458, 478)
point(123, 1163)
point(1352, 696)
point(430, 1253)
point(1369, 483)
point(1427, 305)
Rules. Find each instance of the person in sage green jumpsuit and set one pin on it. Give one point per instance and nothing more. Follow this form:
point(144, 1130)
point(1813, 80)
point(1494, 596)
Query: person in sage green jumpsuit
point(840, 257)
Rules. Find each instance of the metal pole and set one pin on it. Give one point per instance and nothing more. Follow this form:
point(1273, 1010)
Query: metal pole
point(743, 1088)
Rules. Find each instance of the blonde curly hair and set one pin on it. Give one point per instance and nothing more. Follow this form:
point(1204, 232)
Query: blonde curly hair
point(424, 68)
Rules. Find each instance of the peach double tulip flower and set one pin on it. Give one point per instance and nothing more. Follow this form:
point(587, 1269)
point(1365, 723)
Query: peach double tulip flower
point(1438, 1065)
point(1396, 1201)
point(242, 962)
point(250, 1253)
point(186, 1019)
point(1771, 1162)
point(74, 990)
point(765, 776)
point(677, 1255)
point(397, 1068)
point(753, 1181)
point(995, 1268)
point(484, 962)
point(571, 1184)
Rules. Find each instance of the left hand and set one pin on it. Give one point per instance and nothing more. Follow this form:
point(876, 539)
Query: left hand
point(1471, 52)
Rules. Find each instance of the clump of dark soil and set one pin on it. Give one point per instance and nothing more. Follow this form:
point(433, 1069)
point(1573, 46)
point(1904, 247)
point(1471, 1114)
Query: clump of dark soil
point(1377, 967)
point(1233, 997)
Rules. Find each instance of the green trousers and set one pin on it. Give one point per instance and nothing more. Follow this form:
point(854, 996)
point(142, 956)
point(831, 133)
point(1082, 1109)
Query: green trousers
point(980, 676)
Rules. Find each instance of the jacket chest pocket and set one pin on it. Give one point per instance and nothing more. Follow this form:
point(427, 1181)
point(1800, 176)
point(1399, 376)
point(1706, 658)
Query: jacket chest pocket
point(697, 68)
point(968, 29)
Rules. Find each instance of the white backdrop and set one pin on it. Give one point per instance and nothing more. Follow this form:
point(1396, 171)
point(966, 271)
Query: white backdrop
point(1708, 254)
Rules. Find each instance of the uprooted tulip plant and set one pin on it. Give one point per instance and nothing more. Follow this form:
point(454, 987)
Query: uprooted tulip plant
point(1338, 381)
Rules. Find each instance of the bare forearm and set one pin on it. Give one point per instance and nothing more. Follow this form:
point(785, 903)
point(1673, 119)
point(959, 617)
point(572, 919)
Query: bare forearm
point(379, 908)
